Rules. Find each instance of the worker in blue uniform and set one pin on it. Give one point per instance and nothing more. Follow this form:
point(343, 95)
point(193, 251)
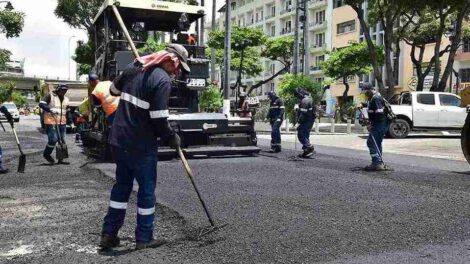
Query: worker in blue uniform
point(275, 117)
point(377, 128)
point(9, 118)
point(306, 114)
point(144, 89)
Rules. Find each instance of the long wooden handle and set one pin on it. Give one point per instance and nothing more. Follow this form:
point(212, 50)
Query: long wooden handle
point(17, 140)
point(126, 33)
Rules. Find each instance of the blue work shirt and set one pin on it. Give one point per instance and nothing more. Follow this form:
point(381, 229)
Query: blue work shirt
point(376, 109)
point(276, 109)
point(142, 113)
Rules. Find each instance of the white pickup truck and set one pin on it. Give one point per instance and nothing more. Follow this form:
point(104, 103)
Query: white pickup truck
point(427, 111)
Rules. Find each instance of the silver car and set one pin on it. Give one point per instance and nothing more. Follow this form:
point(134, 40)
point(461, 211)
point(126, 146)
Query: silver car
point(13, 111)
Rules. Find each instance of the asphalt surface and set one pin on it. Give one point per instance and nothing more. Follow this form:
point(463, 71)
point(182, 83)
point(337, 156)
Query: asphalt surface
point(321, 210)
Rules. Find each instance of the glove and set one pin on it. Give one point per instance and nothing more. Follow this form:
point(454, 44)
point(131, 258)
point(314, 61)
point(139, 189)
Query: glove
point(174, 142)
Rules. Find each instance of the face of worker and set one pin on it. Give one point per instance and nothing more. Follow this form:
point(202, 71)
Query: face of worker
point(93, 84)
point(369, 93)
point(169, 67)
point(62, 92)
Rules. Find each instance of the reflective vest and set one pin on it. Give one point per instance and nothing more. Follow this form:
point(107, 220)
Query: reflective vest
point(109, 103)
point(56, 106)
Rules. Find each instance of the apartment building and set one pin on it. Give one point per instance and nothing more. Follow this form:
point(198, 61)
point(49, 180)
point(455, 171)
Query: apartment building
point(277, 18)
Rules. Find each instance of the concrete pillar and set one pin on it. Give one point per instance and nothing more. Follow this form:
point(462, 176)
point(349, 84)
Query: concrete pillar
point(348, 130)
point(317, 125)
point(332, 122)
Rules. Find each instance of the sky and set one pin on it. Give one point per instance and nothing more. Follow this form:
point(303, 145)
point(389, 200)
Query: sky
point(44, 42)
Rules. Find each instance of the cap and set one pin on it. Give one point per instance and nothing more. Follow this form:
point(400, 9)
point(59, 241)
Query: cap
point(366, 86)
point(182, 54)
point(93, 77)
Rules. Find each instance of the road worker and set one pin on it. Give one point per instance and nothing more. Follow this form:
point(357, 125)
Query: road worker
point(377, 128)
point(54, 106)
point(306, 115)
point(144, 88)
point(9, 118)
point(102, 97)
point(275, 117)
point(243, 106)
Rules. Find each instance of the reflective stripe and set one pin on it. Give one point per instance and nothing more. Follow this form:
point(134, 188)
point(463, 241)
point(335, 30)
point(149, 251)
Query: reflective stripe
point(282, 107)
point(135, 101)
point(43, 102)
point(114, 90)
point(376, 111)
point(148, 211)
point(117, 205)
point(278, 107)
point(375, 155)
point(159, 114)
point(303, 109)
point(51, 146)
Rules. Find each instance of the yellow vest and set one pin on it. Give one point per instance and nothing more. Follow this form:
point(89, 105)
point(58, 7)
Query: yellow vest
point(56, 106)
point(109, 103)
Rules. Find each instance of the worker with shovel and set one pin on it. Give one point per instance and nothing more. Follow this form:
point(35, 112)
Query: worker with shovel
point(141, 117)
point(306, 115)
point(9, 118)
point(377, 128)
point(55, 106)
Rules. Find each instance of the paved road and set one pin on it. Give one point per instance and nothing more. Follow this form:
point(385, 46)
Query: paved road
point(321, 210)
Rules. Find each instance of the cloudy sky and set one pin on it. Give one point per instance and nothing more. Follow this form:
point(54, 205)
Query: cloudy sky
point(44, 42)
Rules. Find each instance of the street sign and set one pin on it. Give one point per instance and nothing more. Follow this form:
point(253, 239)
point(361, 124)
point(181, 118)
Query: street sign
point(413, 83)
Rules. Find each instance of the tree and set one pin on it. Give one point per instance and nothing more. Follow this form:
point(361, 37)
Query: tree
point(4, 58)
point(8, 93)
point(11, 24)
point(211, 99)
point(287, 86)
point(349, 61)
point(388, 14)
point(80, 14)
point(248, 47)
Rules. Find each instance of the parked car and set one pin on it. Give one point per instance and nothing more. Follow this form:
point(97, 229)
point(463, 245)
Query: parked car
point(13, 111)
point(427, 111)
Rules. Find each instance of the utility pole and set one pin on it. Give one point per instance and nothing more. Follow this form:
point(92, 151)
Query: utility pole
point(203, 22)
point(305, 53)
point(295, 67)
point(213, 50)
point(228, 36)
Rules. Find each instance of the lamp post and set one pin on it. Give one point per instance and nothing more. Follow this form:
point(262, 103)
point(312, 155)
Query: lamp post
point(69, 56)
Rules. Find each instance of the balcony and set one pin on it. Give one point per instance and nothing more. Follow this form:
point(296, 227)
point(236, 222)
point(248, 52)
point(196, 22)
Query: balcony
point(286, 31)
point(317, 3)
point(250, 23)
point(270, 16)
point(317, 25)
point(318, 47)
point(287, 11)
point(315, 69)
point(259, 20)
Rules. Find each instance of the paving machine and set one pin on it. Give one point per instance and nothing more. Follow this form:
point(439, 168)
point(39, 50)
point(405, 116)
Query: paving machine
point(124, 25)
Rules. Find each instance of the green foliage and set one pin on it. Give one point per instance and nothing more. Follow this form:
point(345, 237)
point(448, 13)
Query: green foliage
point(4, 58)
point(242, 38)
point(350, 61)
point(78, 13)
point(287, 87)
point(348, 110)
point(152, 45)
point(11, 23)
point(211, 99)
point(262, 111)
point(8, 93)
point(85, 56)
point(280, 49)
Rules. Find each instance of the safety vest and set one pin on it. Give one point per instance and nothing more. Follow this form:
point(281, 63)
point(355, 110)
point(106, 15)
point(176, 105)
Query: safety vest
point(56, 106)
point(109, 103)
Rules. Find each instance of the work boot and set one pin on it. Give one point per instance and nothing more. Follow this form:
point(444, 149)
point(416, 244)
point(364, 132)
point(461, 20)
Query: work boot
point(63, 162)
point(108, 241)
point(308, 152)
point(277, 149)
point(49, 159)
point(149, 244)
point(3, 171)
point(375, 167)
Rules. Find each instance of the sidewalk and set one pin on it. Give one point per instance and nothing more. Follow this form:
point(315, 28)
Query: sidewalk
point(324, 128)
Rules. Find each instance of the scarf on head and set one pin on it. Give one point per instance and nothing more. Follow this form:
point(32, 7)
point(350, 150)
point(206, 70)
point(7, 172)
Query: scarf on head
point(156, 59)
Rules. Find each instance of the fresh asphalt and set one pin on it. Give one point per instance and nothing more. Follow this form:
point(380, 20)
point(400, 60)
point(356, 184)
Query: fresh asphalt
point(321, 210)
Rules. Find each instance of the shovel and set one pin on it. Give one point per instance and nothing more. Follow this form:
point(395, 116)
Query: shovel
point(190, 175)
point(61, 150)
point(22, 162)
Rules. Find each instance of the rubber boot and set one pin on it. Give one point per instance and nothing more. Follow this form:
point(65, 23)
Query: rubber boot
point(149, 244)
point(108, 241)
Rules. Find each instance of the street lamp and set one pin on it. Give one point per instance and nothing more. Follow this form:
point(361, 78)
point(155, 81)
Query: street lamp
point(70, 56)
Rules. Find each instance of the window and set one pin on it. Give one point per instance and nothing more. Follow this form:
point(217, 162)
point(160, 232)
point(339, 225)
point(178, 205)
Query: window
point(449, 100)
point(337, 3)
point(465, 75)
point(272, 68)
point(257, 17)
point(406, 99)
point(288, 5)
point(466, 45)
point(272, 86)
point(346, 27)
point(273, 31)
point(427, 99)
point(273, 11)
point(319, 39)
point(320, 17)
point(319, 60)
point(233, 5)
point(288, 26)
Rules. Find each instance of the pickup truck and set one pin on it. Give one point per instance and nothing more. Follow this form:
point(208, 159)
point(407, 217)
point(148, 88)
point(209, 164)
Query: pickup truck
point(427, 111)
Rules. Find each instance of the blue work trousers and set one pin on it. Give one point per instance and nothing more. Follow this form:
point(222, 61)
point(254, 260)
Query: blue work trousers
point(132, 165)
point(303, 133)
point(53, 138)
point(378, 131)
point(276, 133)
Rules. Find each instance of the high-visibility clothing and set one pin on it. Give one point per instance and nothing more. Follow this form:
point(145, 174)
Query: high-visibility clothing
point(55, 105)
point(109, 103)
